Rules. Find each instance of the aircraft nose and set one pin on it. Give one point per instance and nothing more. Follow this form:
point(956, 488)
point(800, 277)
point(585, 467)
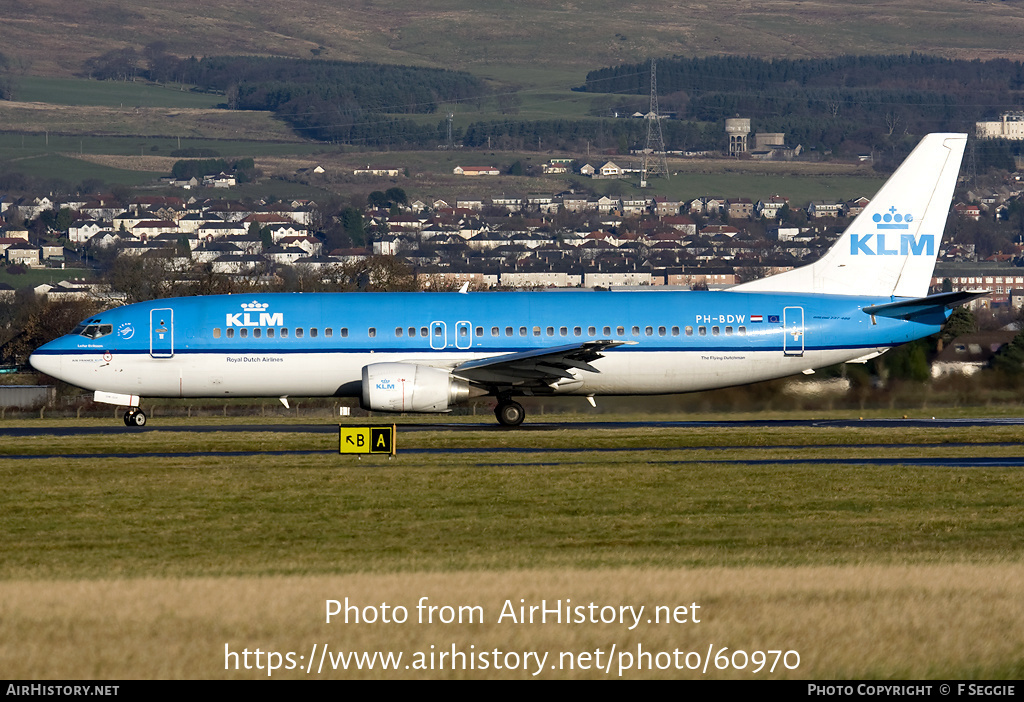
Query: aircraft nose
point(50, 364)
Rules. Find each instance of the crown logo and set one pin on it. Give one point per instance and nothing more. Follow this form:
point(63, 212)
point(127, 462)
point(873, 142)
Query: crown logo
point(254, 306)
point(892, 219)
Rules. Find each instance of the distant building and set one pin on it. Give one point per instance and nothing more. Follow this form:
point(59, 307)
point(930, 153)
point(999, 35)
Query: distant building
point(388, 171)
point(968, 354)
point(825, 208)
point(25, 254)
point(476, 171)
point(1009, 126)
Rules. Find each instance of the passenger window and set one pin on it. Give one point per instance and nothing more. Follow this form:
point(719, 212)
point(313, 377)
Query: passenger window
point(591, 331)
point(463, 332)
point(328, 332)
point(495, 331)
point(743, 331)
point(270, 333)
point(728, 331)
point(620, 331)
point(230, 333)
point(649, 331)
point(689, 331)
point(636, 331)
point(243, 332)
point(576, 331)
point(675, 331)
point(551, 331)
point(298, 332)
point(702, 331)
point(607, 331)
point(284, 332)
point(563, 331)
point(344, 332)
point(479, 331)
point(714, 331)
point(313, 332)
point(216, 332)
point(256, 333)
point(412, 332)
point(536, 331)
point(399, 331)
point(371, 332)
point(522, 331)
point(508, 331)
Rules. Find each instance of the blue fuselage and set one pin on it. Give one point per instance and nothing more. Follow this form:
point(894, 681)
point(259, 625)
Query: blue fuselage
point(316, 344)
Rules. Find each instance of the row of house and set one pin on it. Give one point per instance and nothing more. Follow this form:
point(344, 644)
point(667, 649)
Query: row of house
point(629, 240)
point(638, 205)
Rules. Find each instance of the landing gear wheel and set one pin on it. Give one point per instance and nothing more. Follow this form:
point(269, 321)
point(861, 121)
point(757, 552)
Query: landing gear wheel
point(135, 418)
point(510, 414)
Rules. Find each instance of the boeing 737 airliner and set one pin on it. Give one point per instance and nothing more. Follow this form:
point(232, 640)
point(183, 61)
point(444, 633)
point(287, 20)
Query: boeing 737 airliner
point(426, 352)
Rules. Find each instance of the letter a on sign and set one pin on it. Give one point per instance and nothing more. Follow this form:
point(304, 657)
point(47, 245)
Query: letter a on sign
point(382, 439)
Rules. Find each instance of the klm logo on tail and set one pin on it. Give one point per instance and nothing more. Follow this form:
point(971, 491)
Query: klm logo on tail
point(862, 245)
point(892, 220)
point(878, 245)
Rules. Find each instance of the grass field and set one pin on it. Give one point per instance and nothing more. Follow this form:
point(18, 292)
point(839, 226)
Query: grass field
point(126, 130)
point(108, 93)
point(37, 276)
point(165, 557)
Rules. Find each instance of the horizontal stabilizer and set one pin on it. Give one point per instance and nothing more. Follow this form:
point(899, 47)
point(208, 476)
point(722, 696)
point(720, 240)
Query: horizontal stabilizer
point(919, 306)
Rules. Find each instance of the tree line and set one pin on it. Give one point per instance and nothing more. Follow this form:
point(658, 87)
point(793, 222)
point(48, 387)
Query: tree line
point(335, 101)
point(823, 103)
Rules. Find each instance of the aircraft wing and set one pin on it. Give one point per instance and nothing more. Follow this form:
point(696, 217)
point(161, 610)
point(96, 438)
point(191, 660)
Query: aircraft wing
point(536, 367)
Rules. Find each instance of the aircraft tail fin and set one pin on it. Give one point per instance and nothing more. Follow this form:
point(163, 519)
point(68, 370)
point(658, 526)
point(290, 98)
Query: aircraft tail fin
point(891, 247)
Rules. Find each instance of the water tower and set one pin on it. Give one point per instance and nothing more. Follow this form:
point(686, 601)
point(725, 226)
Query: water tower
point(738, 130)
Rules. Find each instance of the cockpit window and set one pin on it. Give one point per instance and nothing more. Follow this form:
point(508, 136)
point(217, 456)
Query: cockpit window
point(95, 331)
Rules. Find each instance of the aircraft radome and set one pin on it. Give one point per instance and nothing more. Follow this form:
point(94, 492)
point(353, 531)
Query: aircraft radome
point(427, 352)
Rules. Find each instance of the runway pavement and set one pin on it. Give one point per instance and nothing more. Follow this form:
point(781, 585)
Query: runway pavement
point(563, 456)
point(116, 427)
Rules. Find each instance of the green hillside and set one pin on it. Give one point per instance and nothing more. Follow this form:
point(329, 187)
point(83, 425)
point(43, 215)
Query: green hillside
point(55, 37)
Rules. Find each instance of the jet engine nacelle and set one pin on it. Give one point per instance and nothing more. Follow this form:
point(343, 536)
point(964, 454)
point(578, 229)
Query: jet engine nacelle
point(407, 387)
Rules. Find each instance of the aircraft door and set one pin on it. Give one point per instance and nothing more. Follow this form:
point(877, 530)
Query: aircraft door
point(438, 335)
point(463, 335)
point(793, 336)
point(161, 333)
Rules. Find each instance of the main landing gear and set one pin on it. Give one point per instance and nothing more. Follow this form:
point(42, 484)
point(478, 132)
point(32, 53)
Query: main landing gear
point(134, 417)
point(509, 413)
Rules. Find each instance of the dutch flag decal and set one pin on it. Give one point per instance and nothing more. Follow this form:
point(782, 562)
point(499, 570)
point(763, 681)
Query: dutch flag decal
point(756, 318)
